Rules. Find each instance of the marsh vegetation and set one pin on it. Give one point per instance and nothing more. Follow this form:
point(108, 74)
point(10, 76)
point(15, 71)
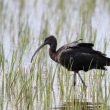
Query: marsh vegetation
point(43, 84)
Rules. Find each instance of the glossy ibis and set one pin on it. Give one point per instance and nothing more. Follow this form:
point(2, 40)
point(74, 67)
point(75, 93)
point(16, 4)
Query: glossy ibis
point(76, 56)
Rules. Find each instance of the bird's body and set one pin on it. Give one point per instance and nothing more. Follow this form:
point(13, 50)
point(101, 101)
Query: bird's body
point(76, 56)
point(79, 56)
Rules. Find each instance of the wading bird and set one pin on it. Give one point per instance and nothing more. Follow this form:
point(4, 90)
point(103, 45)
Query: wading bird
point(76, 56)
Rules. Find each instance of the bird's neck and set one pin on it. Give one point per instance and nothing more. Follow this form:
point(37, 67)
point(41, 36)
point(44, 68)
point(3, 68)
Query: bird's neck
point(52, 52)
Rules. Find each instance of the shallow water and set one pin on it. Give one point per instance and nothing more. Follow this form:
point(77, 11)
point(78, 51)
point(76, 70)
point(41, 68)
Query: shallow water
point(67, 17)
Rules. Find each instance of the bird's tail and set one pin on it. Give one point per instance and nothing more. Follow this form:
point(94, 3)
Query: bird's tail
point(108, 61)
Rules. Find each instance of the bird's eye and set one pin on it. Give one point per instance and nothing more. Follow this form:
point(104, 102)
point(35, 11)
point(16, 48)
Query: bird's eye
point(45, 40)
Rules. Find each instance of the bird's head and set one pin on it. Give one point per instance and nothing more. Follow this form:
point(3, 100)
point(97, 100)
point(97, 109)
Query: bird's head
point(48, 41)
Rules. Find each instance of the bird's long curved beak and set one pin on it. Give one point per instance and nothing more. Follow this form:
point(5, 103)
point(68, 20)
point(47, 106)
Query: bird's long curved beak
point(37, 50)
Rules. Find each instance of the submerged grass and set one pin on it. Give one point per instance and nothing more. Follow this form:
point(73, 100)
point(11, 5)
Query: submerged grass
point(43, 85)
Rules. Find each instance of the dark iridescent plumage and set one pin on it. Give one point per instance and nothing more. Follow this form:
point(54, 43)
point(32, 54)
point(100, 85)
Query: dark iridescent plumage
point(76, 56)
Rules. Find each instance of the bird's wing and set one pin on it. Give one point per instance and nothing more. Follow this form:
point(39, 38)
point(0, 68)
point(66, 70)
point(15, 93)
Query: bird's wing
point(83, 49)
point(82, 58)
point(75, 58)
point(75, 45)
point(89, 49)
point(88, 45)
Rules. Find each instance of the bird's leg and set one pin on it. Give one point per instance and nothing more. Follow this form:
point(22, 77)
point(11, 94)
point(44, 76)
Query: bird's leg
point(74, 79)
point(81, 80)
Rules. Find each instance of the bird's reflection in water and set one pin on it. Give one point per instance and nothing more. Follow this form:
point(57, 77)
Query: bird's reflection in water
point(80, 105)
